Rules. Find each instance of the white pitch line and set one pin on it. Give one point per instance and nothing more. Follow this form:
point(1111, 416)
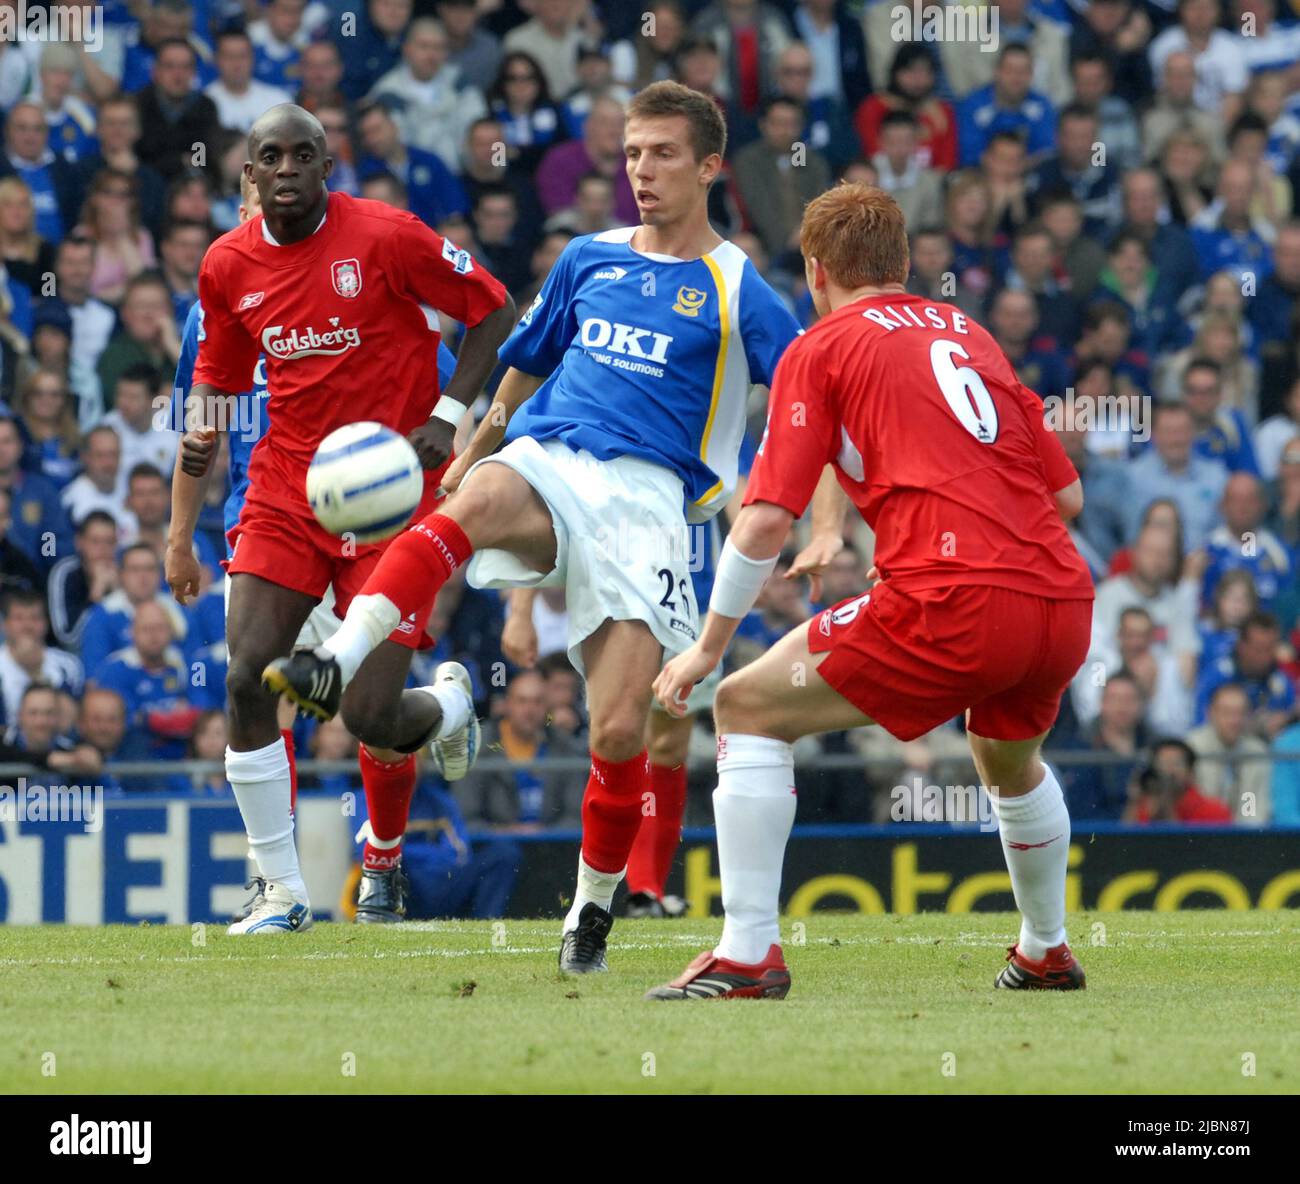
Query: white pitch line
point(963, 940)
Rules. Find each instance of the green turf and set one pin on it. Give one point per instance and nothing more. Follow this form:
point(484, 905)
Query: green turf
point(879, 1003)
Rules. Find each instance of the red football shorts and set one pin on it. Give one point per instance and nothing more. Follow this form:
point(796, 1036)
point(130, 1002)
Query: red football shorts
point(279, 539)
point(912, 661)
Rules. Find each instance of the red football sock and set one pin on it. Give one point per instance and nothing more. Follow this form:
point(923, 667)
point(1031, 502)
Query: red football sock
point(611, 811)
point(388, 802)
point(418, 562)
point(660, 832)
point(287, 736)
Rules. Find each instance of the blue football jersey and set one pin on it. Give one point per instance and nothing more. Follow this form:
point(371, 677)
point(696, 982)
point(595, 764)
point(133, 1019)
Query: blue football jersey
point(650, 356)
point(251, 414)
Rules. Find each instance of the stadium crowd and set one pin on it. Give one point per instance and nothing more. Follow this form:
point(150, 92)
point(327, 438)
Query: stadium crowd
point(1108, 185)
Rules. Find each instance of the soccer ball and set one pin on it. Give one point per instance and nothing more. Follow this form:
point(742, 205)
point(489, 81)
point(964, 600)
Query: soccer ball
point(365, 481)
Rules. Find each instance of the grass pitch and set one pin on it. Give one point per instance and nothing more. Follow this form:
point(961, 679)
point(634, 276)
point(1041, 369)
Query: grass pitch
point(1176, 1002)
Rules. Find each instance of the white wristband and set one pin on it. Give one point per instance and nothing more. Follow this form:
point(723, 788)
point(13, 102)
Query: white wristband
point(738, 581)
point(449, 410)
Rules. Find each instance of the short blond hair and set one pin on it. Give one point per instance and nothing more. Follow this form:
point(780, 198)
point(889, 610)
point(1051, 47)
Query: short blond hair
point(858, 234)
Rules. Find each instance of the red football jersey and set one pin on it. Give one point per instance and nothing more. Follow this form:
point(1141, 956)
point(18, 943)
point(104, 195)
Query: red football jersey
point(340, 320)
point(942, 450)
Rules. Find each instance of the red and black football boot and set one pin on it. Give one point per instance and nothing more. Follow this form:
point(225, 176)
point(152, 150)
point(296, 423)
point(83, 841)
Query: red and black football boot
point(1058, 971)
point(709, 977)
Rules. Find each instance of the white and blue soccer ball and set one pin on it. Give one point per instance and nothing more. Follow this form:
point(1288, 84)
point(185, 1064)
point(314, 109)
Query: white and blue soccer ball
point(364, 482)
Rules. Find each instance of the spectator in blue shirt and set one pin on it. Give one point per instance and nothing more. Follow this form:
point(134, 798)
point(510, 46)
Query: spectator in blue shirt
point(1221, 432)
point(1226, 235)
point(161, 22)
point(1244, 543)
point(1013, 319)
point(1101, 790)
point(48, 423)
point(1233, 600)
point(520, 102)
point(1171, 469)
point(433, 192)
point(1132, 280)
point(373, 46)
point(1169, 246)
point(279, 43)
point(154, 682)
point(34, 738)
point(1077, 165)
point(38, 526)
point(1033, 270)
point(101, 723)
point(107, 627)
point(1007, 104)
point(55, 186)
point(182, 247)
point(1253, 666)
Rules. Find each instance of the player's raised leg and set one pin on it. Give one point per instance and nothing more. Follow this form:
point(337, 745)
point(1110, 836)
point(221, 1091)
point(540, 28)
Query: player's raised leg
point(495, 507)
point(263, 621)
point(1034, 825)
point(759, 711)
point(621, 659)
point(668, 741)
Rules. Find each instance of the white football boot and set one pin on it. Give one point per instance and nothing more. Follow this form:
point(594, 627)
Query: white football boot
point(274, 911)
point(454, 755)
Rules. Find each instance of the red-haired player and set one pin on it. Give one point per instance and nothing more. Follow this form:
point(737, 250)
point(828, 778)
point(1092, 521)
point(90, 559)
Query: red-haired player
point(983, 605)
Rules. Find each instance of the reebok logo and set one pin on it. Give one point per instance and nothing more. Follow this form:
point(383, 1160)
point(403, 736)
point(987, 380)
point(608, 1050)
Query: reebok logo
point(1030, 846)
point(250, 300)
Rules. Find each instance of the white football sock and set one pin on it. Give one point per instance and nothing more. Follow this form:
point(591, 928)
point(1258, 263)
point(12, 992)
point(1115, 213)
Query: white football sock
point(369, 620)
point(593, 888)
point(1035, 830)
point(260, 780)
point(455, 705)
point(753, 808)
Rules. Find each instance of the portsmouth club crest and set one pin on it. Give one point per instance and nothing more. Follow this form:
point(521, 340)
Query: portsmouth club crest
point(689, 301)
point(346, 274)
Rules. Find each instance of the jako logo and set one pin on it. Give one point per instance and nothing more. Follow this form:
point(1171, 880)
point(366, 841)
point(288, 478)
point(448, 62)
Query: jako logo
point(76, 1137)
point(302, 343)
point(625, 339)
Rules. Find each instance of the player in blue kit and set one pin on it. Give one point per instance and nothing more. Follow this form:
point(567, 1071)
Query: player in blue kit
point(381, 898)
point(631, 373)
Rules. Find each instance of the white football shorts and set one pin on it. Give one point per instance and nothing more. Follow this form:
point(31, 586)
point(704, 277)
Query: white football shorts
point(622, 544)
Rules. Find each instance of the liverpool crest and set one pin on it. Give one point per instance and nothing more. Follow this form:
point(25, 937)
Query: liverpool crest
point(346, 274)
